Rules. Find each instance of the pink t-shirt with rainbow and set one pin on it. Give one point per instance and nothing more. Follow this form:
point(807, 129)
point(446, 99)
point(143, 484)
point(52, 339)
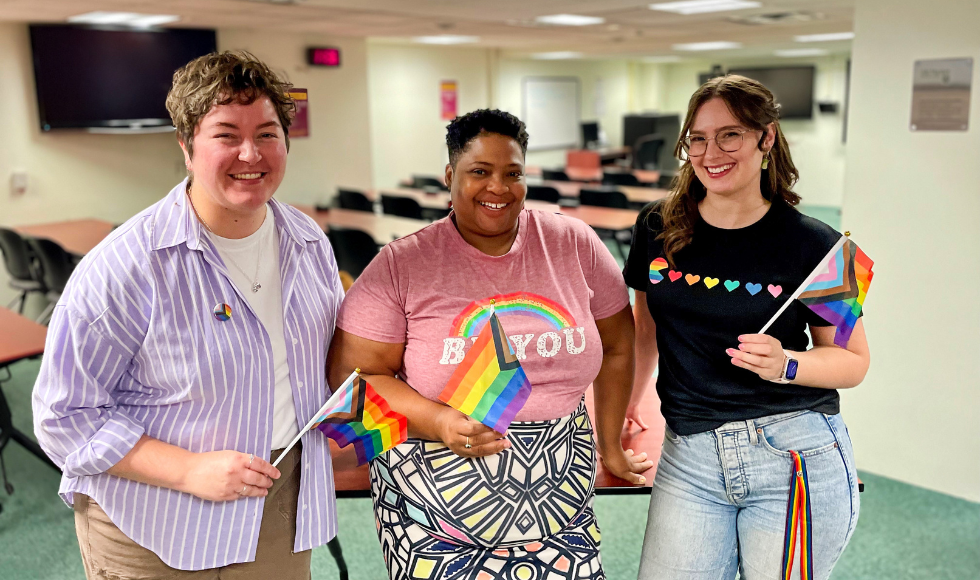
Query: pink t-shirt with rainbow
point(431, 291)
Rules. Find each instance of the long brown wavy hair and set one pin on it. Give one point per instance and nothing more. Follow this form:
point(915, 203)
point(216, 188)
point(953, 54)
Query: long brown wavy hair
point(755, 107)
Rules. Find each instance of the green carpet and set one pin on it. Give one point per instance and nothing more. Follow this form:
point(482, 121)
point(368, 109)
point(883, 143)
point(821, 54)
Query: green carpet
point(905, 532)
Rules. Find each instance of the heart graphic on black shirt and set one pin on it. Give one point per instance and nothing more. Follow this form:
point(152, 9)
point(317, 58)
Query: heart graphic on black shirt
point(674, 275)
point(753, 288)
point(692, 279)
point(731, 284)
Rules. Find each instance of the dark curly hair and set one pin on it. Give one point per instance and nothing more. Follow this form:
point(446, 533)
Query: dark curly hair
point(220, 78)
point(464, 129)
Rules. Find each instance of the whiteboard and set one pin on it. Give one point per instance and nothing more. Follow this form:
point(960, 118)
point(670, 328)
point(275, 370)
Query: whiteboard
point(551, 112)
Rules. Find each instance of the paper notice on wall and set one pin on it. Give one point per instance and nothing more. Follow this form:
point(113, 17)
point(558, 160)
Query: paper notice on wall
point(301, 122)
point(941, 94)
point(448, 99)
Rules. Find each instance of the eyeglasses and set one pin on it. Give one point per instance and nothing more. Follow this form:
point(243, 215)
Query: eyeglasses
point(729, 141)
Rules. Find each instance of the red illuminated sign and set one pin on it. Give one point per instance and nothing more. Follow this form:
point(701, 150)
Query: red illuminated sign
point(323, 56)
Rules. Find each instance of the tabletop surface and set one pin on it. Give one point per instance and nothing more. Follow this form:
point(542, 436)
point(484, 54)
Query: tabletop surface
point(21, 337)
point(76, 236)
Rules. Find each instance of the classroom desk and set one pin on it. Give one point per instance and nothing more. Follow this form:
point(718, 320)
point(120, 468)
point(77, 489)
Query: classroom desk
point(644, 195)
point(383, 228)
point(20, 338)
point(75, 236)
point(352, 480)
point(436, 200)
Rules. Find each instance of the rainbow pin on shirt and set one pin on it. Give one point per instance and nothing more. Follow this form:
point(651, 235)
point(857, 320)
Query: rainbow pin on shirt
point(222, 312)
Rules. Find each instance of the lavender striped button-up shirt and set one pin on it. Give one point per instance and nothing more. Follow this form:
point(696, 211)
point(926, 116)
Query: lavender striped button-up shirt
point(133, 347)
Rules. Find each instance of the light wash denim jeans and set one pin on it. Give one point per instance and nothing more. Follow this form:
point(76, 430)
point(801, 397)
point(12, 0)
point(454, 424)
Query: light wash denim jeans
point(719, 498)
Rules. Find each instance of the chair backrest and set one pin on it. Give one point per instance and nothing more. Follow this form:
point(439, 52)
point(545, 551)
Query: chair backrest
point(422, 181)
point(554, 175)
point(583, 158)
point(354, 249)
point(353, 199)
point(604, 198)
point(619, 178)
point(56, 264)
point(646, 152)
point(17, 256)
point(543, 193)
point(401, 206)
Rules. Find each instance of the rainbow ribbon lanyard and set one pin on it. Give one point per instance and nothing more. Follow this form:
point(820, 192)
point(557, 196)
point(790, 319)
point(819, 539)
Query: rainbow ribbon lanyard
point(799, 520)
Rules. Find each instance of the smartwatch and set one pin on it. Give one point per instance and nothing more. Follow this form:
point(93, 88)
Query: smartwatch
point(788, 374)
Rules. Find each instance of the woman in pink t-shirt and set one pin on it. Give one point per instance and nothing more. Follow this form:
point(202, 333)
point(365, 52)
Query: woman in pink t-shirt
point(458, 498)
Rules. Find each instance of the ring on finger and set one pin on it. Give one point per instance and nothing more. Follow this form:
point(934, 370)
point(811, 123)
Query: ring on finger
point(244, 489)
point(468, 446)
point(251, 456)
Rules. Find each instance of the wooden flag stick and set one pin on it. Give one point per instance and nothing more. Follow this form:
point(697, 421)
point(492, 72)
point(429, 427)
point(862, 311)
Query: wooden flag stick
point(806, 282)
point(330, 401)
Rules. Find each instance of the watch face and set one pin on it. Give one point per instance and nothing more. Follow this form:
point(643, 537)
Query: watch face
point(791, 367)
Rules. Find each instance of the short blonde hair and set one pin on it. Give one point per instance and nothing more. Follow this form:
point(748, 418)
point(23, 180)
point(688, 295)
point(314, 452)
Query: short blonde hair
point(221, 78)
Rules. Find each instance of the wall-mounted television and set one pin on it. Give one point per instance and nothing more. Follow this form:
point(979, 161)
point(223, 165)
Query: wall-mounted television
point(109, 78)
point(792, 86)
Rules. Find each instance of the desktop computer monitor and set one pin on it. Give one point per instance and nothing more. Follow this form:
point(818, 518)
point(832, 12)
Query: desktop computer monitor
point(590, 133)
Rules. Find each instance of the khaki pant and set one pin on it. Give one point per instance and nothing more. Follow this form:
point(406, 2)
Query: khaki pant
point(108, 554)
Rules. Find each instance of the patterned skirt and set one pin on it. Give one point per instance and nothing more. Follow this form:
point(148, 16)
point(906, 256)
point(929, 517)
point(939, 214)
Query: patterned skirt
point(522, 514)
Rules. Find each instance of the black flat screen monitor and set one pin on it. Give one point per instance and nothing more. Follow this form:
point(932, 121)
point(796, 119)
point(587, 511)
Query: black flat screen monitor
point(791, 85)
point(96, 77)
point(590, 133)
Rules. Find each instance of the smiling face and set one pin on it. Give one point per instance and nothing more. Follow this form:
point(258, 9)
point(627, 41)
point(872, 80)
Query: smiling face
point(728, 173)
point(239, 157)
point(488, 191)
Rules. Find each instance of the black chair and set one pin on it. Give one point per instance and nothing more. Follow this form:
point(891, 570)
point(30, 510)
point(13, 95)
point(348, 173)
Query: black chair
point(604, 198)
point(401, 206)
point(355, 200)
point(423, 181)
point(543, 193)
point(646, 152)
point(56, 267)
point(354, 249)
point(21, 267)
point(620, 178)
point(554, 175)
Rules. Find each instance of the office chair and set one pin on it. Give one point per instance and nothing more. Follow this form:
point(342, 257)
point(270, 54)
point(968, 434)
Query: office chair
point(355, 200)
point(554, 175)
point(619, 178)
point(56, 267)
point(604, 198)
point(21, 267)
point(646, 152)
point(543, 193)
point(422, 181)
point(354, 249)
point(401, 206)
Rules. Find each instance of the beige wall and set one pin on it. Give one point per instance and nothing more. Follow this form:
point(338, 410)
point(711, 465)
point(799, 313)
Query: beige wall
point(912, 201)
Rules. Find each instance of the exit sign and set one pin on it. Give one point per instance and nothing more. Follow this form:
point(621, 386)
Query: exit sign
point(323, 56)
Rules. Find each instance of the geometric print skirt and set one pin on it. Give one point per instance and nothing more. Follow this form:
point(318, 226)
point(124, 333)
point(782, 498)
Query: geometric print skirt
point(522, 514)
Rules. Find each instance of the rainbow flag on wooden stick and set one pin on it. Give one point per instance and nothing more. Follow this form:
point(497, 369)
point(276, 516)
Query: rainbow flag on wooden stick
point(489, 384)
point(355, 414)
point(836, 288)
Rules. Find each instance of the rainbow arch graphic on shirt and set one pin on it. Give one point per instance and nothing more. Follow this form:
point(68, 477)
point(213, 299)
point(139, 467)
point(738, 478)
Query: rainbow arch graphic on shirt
point(473, 317)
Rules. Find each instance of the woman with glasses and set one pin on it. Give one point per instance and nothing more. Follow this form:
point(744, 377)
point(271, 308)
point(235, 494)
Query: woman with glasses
point(710, 265)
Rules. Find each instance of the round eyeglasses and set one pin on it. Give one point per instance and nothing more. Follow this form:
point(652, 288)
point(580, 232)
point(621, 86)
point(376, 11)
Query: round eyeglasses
point(728, 140)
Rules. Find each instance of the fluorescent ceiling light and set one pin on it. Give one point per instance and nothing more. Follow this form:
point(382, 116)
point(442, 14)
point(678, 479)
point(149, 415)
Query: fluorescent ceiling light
point(703, 6)
point(801, 52)
point(662, 59)
point(124, 19)
point(719, 45)
point(447, 39)
point(561, 55)
point(824, 37)
point(569, 20)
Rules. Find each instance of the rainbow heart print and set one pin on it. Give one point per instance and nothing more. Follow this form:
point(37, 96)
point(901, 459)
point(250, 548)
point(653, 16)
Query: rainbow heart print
point(655, 267)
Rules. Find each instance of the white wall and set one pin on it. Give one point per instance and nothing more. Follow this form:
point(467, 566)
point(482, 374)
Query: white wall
point(912, 201)
point(408, 135)
point(816, 145)
point(74, 174)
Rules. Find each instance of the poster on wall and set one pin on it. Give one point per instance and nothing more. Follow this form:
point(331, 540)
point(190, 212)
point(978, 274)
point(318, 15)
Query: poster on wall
point(941, 94)
point(448, 99)
point(301, 122)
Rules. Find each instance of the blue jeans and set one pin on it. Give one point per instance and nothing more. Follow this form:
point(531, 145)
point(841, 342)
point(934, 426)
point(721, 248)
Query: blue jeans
point(719, 500)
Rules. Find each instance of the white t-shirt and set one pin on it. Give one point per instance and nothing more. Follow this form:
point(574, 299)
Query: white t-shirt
point(241, 258)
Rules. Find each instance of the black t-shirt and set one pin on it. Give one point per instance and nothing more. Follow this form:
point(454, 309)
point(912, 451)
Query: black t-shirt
point(726, 283)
